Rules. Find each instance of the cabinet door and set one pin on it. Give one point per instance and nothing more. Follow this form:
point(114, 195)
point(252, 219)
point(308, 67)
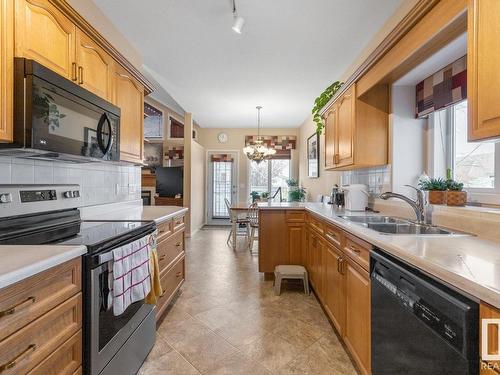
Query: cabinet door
point(483, 75)
point(312, 249)
point(296, 240)
point(95, 67)
point(357, 334)
point(335, 287)
point(6, 69)
point(489, 312)
point(318, 267)
point(44, 34)
point(345, 129)
point(129, 96)
point(330, 119)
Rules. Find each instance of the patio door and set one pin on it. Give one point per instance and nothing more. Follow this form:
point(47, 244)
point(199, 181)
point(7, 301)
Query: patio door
point(222, 184)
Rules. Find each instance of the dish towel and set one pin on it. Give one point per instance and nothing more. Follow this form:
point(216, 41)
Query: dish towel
point(156, 289)
point(129, 275)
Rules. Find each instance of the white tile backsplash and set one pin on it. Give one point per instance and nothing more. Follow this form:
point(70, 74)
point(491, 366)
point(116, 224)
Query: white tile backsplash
point(100, 183)
point(377, 179)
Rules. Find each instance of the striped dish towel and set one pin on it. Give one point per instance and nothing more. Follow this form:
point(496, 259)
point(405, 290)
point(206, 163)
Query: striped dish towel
point(129, 276)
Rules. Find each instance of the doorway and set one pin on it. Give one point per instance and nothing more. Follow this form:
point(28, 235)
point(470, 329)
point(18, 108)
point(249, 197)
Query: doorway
point(222, 184)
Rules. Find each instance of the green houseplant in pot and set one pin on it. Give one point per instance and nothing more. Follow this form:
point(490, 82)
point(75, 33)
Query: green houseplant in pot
point(295, 193)
point(455, 195)
point(437, 189)
point(255, 196)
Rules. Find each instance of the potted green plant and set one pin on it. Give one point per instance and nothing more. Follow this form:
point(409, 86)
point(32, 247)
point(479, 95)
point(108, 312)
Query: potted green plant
point(437, 189)
point(295, 193)
point(264, 196)
point(321, 101)
point(255, 196)
point(455, 196)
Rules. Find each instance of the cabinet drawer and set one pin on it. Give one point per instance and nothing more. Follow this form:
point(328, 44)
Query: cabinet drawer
point(66, 360)
point(164, 230)
point(358, 250)
point(295, 216)
point(170, 282)
point(23, 350)
point(29, 299)
point(177, 223)
point(170, 249)
point(333, 235)
point(315, 223)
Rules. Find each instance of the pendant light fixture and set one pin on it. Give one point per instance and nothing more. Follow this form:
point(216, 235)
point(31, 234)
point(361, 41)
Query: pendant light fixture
point(238, 21)
point(258, 151)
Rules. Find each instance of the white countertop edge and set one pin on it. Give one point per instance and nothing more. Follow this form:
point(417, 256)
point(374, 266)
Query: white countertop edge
point(43, 265)
point(160, 219)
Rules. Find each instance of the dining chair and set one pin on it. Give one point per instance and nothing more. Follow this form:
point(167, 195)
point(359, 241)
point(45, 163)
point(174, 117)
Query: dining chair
point(253, 218)
point(239, 221)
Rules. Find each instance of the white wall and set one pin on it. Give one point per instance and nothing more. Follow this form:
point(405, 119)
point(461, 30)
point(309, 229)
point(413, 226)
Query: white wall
point(408, 140)
point(100, 183)
point(198, 186)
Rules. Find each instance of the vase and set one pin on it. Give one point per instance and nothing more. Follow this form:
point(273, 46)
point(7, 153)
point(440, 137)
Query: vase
point(456, 198)
point(437, 197)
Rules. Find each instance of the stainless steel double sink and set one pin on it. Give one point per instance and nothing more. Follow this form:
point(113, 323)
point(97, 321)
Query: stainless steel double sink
point(396, 226)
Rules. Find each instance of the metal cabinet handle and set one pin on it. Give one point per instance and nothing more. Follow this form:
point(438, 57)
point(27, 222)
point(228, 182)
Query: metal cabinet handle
point(355, 249)
point(13, 362)
point(162, 257)
point(73, 72)
point(339, 262)
point(80, 75)
point(178, 244)
point(178, 274)
point(336, 159)
point(12, 310)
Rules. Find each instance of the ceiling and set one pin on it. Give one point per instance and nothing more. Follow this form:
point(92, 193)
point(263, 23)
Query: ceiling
point(289, 51)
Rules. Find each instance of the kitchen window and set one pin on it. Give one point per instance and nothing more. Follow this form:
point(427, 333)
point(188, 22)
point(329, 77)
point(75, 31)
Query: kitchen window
point(476, 164)
point(269, 175)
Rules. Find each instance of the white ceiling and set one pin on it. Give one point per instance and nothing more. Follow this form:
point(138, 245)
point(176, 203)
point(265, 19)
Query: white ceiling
point(289, 51)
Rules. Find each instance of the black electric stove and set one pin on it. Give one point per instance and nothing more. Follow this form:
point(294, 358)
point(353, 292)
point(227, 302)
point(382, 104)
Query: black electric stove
point(49, 214)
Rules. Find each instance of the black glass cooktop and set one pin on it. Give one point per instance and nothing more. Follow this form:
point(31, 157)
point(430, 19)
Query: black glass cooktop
point(65, 228)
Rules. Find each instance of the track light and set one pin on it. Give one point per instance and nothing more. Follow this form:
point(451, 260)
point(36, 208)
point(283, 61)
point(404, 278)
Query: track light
point(238, 21)
point(238, 24)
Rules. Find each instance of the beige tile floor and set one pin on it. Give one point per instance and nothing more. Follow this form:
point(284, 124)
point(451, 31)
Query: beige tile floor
point(227, 320)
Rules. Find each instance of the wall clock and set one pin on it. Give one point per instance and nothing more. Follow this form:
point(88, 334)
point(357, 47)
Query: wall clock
point(222, 137)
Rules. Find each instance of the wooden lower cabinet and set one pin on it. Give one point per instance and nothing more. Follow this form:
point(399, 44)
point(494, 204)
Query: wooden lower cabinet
point(43, 317)
point(357, 333)
point(171, 261)
point(337, 263)
point(489, 312)
point(335, 293)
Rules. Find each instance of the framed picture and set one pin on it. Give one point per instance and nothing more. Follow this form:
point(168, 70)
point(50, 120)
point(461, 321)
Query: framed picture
point(313, 156)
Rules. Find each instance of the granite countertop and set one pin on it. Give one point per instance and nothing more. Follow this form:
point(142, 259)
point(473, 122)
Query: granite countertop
point(140, 213)
point(468, 263)
point(21, 262)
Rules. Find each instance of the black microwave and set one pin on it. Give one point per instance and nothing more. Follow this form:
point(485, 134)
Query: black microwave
point(55, 118)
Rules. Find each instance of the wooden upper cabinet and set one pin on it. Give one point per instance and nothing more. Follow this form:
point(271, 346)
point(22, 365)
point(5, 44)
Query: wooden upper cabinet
point(330, 120)
point(6, 69)
point(129, 96)
point(483, 75)
point(357, 129)
point(95, 66)
point(345, 129)
point(44, 34)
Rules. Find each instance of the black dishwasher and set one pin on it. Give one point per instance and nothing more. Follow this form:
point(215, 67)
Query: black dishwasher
point(419, 326)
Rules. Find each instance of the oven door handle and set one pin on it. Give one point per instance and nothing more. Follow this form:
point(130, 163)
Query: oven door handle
point(100, 141)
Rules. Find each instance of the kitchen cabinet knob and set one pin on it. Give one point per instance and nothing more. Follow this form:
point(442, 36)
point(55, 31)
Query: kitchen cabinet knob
point(178, 274)
point(355, 249)
point(13, 362)
point(12, 310)
point(162, 257)
point(178, 244)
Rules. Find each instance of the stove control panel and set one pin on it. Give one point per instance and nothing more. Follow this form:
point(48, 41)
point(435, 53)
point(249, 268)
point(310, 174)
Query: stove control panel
point(5, 197)
point(37, 195)
point(71, 194)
